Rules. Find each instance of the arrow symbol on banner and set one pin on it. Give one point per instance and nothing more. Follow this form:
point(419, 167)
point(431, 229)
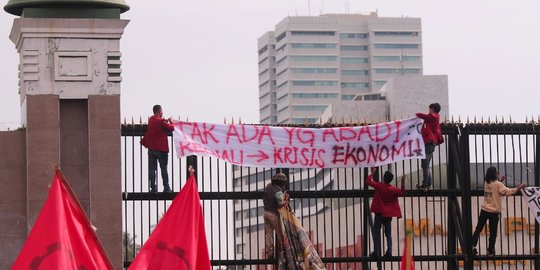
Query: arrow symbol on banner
point(262, 156)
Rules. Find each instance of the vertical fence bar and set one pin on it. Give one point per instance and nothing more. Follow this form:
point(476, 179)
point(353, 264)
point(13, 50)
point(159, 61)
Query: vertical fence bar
point(537, 184)
point(465, 187)
point(451, 178)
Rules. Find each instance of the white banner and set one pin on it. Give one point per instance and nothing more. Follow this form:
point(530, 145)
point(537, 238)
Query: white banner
point(531, 195)
point(295, 147)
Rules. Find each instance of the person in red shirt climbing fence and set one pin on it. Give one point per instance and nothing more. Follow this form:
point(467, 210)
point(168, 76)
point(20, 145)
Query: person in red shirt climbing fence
point(432, 135)
point(385, 206)
point(155, 139)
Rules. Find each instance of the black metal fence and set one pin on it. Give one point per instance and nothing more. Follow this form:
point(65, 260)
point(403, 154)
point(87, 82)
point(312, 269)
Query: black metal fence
point(333, 204)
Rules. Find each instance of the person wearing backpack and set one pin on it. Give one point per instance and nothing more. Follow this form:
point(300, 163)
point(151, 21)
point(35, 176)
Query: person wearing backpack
point(432, 135)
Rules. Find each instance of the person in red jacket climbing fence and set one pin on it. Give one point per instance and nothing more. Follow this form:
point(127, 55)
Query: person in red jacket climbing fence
point(385, 206)
point(432, 135)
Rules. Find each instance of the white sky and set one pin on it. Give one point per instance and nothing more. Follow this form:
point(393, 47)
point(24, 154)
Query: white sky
point(198, 58)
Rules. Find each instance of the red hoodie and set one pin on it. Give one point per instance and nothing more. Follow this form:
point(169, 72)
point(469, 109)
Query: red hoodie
point(431, 129)
point(385, 201)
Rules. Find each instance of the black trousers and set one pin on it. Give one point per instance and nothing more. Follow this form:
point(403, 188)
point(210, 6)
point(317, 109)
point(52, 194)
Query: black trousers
point(493, 223)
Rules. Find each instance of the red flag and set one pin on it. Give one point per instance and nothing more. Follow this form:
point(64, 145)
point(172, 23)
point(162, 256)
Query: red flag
point(179, 240)
point(407, 261)
point(62, 237)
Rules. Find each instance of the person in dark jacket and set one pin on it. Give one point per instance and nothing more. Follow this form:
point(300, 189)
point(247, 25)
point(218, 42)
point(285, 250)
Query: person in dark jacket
point(274, 198)
point(385, 206)
point(155, 139)
point(432, 135)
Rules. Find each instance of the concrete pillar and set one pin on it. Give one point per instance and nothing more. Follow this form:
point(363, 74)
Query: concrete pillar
point(70, 74)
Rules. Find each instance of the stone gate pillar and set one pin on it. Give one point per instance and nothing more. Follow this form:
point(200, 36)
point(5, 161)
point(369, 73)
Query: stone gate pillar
point(69, 85)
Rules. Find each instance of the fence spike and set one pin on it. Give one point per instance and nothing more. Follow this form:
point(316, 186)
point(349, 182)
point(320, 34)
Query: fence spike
point(232, 120)
point(240, 120)
point(510, 119)
point(446, 118)
point(526, 119)
point(474, 119)
point(467, 119)
point(140, 120)
point(452, 119)
point(496, 119)
point(124, 121)
point(132, 122)
point(320, 120)
point(350, 119)
point(225, 120)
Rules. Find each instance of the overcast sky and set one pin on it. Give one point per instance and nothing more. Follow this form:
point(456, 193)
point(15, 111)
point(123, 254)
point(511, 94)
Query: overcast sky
point(198, 58)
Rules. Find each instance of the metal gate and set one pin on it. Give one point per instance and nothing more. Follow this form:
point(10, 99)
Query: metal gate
point(333, 204)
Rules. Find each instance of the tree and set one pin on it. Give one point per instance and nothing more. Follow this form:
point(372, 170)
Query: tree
point(129, 246)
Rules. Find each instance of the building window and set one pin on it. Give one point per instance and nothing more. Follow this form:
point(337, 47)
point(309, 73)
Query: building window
point(347, 97)
point(353, 60)
point(280, 99)
point(281, 60)
point(314, 95)
point(310, 108)
point(411, 58)
point(262, 61)
point(352, 35)
point(263, 84)
point(397, 46)
point(264, 109)
point(354, 72)
point(264, 96)
point(379, 83)
point(321, 58)
point(265, 120)
point(353, 47)
point(314, 83)
point(263, 49)
point(281, 72)
point(396, 33)
point(263, 72)
point(354, 85)
point(373, 97)
point(396, 58)
point(283, 110)
point(313, 70)
point(313, 45)
point(313, 33)
point(283, 84)
point(304, 120)
point(281, 36)
point(398, 70)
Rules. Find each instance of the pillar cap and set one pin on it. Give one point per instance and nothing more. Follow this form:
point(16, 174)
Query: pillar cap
point(16, 7)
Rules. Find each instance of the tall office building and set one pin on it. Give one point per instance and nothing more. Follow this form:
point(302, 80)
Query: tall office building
point(309, 63)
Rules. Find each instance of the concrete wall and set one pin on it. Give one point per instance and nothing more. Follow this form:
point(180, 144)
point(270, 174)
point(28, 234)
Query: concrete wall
point(407, 95)
point(13, 199)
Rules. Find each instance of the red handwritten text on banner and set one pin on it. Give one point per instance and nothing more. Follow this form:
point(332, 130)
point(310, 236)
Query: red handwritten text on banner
point(293, 147)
